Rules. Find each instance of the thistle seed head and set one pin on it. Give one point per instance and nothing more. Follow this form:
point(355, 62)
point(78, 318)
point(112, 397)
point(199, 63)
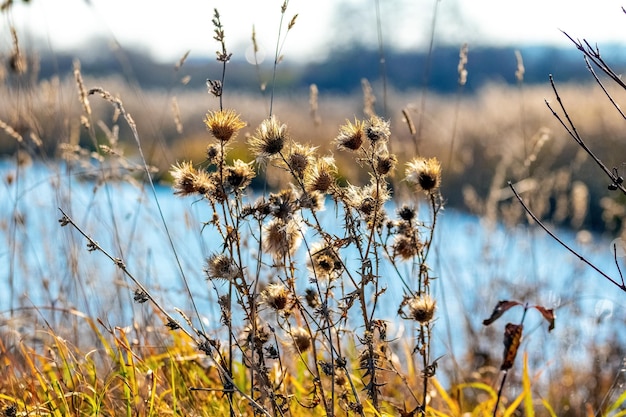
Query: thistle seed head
point(223, 124)
point(301, 339)
point(239, 175)
point(269, 139)
point(377, 130)
point(220, 266)
point(276, 296)
point(422, 308)
point(424, 174)
point(350, 136)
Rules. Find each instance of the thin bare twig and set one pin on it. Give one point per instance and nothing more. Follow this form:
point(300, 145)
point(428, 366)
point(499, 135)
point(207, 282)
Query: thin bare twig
point(555, 237)
point(571, 130)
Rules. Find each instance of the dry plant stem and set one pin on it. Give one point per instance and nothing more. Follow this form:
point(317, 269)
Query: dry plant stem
point(608, 95)
point(277, 52)
point(426, 75)
point(594, 55)
point(93, 245)
point(383, 63)
point(555, 237)
point(571, 130)
point(133, 127)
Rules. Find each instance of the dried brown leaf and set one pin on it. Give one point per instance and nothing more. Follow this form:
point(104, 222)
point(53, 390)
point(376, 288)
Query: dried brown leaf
point(500, 309)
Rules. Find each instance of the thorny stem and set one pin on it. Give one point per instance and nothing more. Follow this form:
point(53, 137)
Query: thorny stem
point(93, 245)
point(555, 237)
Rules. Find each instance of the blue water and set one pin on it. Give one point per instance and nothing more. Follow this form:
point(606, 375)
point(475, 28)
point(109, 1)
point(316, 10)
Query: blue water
point(48, 266)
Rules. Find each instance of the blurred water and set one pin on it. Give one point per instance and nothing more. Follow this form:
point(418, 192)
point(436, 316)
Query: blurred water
point(48, 266)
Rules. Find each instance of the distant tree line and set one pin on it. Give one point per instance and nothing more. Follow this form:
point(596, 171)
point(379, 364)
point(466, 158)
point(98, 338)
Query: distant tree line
point(343, 71)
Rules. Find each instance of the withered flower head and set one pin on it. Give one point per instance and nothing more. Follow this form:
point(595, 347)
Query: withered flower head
point(223, 124)
point(214, 153)
point(325, 259)
point(299, 158)
point(269, 139)
point(377, 129)
point(283, 204)
point(407, 213)
point(350, 136)
point(312, 200)
point(312, 298)
point(188, 180)
point(424, 174)
point(239, 175)
point(406, 247)
point(276, 296)
point(422, 308)
point(220, 266)
point(368, 198)
point(385, 163)
point(321, 176)
point(282, 238)
point(301, 339)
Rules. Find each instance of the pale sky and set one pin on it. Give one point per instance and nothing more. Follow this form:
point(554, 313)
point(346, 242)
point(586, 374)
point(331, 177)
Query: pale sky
point(167, 29)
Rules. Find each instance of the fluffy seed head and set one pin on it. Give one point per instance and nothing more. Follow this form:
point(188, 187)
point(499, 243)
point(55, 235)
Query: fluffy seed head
point(350, 136)
point(214, 153)
point(223, 124)
point(269, 139)
point(406, 247)
point(276, 296)
point(424, 174)
point(422, 309)
point(377, 129)
point(220, 266)
point(301, 339)
point(187, 180)
point(299, 158)
point(321, 176)
point(282, 238)
point(407, 213)
point(239, 175)
point(385, 163)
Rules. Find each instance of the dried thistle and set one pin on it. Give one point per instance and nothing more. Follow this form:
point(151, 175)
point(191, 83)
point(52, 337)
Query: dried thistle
point(220, 266)
point(188, 180)
point(377, 130)
point(276, 296)
point(301, 339)
point(325, 259)
point(223, 124)
point(239, 175)
point(282, 238)
point(282, 205)
point(312, 298)
point(424, 174)
point(422, 308)
point(214, 153)
point(269, 139)
point(350, 136)
point(321, 176)
point(406, 247)
point(385, 163)
point(407, 213)
point(298, 159)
